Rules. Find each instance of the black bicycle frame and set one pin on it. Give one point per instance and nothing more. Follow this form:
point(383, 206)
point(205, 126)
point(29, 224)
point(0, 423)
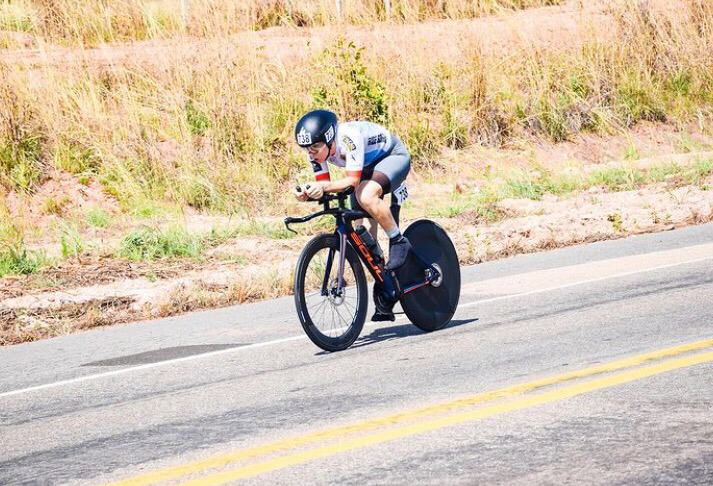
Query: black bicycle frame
point(347, 235)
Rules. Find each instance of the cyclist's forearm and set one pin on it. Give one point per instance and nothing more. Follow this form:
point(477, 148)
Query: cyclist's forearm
point(341, 184)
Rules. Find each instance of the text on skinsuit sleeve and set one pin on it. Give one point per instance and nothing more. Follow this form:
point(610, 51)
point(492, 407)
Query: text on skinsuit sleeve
point(351, 144)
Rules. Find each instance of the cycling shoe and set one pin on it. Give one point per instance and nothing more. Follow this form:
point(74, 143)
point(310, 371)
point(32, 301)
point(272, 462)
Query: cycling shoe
point(398, 251)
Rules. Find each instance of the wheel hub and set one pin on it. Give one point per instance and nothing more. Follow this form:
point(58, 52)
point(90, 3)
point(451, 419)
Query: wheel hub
point(437, 282)
point(336, 294)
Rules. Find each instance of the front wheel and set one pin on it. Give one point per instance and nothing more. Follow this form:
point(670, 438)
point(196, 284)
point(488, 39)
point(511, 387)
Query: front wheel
point(332, 313)
point(432, 306)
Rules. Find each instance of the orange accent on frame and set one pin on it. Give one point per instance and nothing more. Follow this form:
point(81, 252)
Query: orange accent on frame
point(364, 251)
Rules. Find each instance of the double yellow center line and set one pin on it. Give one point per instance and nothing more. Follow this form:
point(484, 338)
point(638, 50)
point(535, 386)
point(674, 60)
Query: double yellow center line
point(334, 441)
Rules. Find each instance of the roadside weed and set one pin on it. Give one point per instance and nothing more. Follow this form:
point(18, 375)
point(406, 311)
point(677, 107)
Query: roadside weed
point(98, 218)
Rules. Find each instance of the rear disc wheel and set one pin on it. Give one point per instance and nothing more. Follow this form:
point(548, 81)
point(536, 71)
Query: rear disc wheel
point(432, 306)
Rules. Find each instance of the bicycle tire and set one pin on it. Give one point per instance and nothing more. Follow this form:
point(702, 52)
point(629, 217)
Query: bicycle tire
point(430, 307)
point(307, 312)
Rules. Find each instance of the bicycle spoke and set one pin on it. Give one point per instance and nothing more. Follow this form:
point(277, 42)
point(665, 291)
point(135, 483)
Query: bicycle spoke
point(332, 321)
point(353, 308)
point(318, 307)
point(347, 324)
point(320, 302)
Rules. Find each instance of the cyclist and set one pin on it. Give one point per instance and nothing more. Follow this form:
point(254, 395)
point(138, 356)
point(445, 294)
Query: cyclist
point(376, 163)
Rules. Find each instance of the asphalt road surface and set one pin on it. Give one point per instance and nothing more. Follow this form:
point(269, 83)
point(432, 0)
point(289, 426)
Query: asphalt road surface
point(586, 365)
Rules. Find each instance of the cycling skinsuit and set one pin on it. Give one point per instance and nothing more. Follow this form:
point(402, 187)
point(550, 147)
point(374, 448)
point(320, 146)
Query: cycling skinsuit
point(364, 148)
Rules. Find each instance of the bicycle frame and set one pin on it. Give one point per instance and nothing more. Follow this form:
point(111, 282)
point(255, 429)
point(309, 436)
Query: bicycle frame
point(348, 236)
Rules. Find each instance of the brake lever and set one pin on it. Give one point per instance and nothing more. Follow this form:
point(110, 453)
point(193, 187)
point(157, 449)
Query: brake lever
point(288, 221)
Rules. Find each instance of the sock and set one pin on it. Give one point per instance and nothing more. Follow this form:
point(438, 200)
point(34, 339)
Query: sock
point(394, 234)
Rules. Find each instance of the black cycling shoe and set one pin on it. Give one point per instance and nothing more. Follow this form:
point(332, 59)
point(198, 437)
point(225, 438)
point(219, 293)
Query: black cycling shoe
point(398, 251)
point(380, 316)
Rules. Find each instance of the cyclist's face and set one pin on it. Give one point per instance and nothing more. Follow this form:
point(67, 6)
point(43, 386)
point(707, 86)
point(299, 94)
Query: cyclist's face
point(318, 151)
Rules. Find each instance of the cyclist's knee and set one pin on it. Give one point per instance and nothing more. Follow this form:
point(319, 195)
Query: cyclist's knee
point(368, 193)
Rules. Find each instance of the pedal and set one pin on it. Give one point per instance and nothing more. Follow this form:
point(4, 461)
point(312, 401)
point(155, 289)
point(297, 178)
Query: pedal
point(383, 316)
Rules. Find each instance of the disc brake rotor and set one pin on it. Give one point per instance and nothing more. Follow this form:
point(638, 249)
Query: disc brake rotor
point(336, 294)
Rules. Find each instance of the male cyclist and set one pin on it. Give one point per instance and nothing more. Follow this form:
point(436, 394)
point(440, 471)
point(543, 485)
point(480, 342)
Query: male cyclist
point(376, 163)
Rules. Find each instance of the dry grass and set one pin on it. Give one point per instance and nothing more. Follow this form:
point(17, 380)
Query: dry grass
point(210, 128)
point(90, 22)
point(18, 326)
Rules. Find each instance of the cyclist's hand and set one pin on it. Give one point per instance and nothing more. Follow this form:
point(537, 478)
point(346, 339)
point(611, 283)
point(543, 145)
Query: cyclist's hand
point(314, 191)
point(300, 194)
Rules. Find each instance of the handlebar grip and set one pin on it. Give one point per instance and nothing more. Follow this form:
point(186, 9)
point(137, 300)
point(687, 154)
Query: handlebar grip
point(299, 188)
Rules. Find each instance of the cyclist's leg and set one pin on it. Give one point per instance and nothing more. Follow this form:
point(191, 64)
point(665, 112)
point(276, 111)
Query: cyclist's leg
point(389, 174)
point(369, 194)
point(373, 226)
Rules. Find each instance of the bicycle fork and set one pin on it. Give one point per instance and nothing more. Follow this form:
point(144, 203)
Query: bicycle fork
point(340, 265)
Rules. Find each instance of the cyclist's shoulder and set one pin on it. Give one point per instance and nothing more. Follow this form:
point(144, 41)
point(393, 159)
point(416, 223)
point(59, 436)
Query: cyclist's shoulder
point(360, 129)
point(349, 135)
point(360, 125)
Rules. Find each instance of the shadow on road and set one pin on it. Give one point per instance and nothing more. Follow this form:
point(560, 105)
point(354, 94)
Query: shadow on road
point(400, 331)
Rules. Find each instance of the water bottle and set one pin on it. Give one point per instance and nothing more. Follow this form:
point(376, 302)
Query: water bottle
point(371, 244)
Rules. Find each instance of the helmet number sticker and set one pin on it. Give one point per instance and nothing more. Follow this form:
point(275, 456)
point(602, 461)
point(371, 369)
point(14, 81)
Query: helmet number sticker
point(329, 134)
point(304, 137)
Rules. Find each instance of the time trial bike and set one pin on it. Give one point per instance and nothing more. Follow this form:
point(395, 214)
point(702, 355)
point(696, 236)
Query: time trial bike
point(330, 286)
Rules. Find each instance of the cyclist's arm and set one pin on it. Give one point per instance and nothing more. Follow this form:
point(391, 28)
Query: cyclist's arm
point(321, 171)
point(321, 175)
point(351, 144)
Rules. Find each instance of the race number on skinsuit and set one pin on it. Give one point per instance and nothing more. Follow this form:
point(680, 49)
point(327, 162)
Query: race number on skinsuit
point(401, 194)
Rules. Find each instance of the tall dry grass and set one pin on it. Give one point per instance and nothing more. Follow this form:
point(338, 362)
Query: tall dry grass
point(212, 129)
point(94, 22)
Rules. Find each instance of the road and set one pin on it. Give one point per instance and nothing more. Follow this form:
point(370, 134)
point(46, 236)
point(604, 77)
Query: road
point(589, 364)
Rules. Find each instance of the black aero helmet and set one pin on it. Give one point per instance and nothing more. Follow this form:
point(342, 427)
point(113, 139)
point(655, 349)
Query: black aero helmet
point(316, 126)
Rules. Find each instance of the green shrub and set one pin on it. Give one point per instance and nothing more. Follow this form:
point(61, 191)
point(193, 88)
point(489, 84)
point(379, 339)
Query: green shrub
point(18, 260)
point(353, 90)
point(153, 243)
point(98, 218)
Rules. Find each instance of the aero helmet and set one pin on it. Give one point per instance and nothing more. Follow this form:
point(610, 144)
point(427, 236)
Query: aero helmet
point(316, 126)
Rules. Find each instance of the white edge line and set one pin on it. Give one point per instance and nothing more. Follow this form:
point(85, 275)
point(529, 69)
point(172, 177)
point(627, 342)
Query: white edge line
point(148, 366)
point(295, 338)
point(584, 282)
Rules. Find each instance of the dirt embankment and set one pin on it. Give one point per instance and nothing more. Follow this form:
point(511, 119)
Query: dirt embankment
point(564, 25)
point(95, 288)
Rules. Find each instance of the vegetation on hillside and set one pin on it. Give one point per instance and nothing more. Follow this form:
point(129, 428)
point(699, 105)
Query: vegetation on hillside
point(89, 22)
point(214, 131)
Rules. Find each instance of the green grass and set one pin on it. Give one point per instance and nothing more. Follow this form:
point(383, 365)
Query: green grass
point(54, 206)
point(18, 260)
point(616, 221)
point(71, 241)
point(15, 18)
point(534, 184)
point(617, 178)
point(98, 218)
point(154, 243)
point(274, 230)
